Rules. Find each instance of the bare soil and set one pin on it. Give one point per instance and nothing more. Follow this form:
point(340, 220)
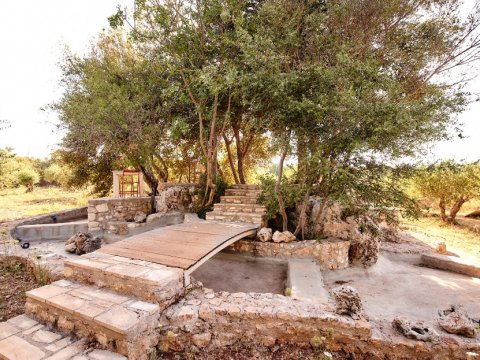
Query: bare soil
point(15, 280)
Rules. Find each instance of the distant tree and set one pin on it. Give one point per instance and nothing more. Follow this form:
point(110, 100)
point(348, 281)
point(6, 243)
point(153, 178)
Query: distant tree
point(58, 174)
point(28, 178)
point(451, 183)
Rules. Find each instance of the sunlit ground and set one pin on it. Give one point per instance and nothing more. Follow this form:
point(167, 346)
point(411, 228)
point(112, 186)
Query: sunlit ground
point(16, 203)
point(459, 239)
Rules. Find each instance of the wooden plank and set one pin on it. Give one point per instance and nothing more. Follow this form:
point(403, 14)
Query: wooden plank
point(179, 237)
point(213, 228)
point(174, 250)
point(155, 258)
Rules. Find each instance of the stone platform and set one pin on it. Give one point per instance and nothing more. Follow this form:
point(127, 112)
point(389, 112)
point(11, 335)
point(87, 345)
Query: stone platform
point(23, 337)
point(451, 263)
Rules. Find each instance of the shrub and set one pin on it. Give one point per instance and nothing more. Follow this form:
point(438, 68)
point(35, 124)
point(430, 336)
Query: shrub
point(28, 178)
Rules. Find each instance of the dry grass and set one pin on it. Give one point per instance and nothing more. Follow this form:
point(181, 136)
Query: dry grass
point(16, 203)
point(459, 239)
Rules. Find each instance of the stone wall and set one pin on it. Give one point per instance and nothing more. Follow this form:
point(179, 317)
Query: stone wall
point(113, 215)
point(330, 253)
point(176, 197)
point(205, 319)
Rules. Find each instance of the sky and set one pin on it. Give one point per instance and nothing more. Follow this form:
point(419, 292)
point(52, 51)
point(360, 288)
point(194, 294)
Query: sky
point(33, 36)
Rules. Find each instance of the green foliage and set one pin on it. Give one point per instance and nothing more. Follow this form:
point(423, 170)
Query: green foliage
point(28, 178)
point(291, 191)
point(450, 183)
point(58, 174)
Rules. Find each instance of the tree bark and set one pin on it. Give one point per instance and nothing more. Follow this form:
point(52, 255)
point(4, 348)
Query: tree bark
point(153, 184)
point(278, 193)
point(456, 208)
point(443, 214)
point(230, 159)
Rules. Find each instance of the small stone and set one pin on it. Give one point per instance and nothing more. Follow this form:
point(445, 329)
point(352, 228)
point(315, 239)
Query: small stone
point(45, 336)
point(140, 217)
point(186, 313)
point(202, 340)
point(417, 331)
point(264, 234)
point(205, 312)
point(285, 236)
point(105, 355)
point(455, 320)
point(7, 329)
point(348, 301)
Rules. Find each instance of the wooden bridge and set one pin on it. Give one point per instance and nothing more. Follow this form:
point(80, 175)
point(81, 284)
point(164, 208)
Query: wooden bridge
point(186, 246)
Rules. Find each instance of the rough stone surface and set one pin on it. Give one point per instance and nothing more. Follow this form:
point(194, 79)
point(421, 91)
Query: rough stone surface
point(264, 234)
point(348, 301)
point(417, 331)
point(330, 253)
point(176, 197)
point(364, 251)
point(455, 320)
point(285, 236)
point(140, 217)
point(82, 243)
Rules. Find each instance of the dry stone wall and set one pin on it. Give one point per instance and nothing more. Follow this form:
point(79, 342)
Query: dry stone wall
point(113, 214)
point(330, 253)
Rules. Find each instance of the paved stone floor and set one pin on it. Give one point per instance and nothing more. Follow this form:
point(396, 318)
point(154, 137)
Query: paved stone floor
point(23, 338)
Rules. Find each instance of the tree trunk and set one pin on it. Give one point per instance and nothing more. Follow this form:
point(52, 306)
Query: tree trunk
point(242, 151)
point(443, 214)
point(230, 159)
point(278, 193)
point(455, 209)
point(153, 184)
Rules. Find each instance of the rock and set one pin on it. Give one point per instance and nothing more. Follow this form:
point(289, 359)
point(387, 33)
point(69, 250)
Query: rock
point(417, 331)
point(348, 301)
point(140, 217)
point(154, 217)
point(202, 340)
point(82, 243)
point(285, 236)
point(455, 320)
point(364, 250)
point(70, 247)
point(264, 234)
point(441, 248)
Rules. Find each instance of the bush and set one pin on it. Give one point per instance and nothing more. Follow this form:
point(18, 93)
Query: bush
point(57, 174)
point(28, 178)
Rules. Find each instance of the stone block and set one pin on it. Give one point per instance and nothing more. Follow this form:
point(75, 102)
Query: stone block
point(46, 337)
point(7, 329)
point(22, 322)
point(15, 348)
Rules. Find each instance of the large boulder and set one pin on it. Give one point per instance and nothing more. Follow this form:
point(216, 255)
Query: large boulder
point(179, 197)
point(364, 230)
point(264, 234)
point(455, 320)
point(284, 236)
point(82, 243)
point(348, 301)
point(140, 217)
point(417, 331)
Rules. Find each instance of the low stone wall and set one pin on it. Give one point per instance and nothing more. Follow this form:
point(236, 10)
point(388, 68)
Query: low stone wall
point(330, 253)
point(205, 319)
point(112, 214)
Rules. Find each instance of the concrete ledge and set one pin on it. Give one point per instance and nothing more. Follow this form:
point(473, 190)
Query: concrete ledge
point(305, 280)
point(60, 231)
point(451, 263)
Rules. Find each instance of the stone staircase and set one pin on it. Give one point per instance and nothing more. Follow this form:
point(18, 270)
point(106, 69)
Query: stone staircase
point(239, 204)
point(113, 300)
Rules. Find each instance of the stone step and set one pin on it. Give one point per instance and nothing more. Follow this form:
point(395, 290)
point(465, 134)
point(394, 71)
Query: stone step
point(242, 208)
point(118, 323)
point(235, 217)
point(142, 279)
point(23, 338)
point(245, 186)
point(305, 280)
point(451, 263)
point(242, 192)
point(59, 231)
point(230, 199)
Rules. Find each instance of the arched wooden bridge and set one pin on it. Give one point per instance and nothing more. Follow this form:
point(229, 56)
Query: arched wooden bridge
point(186, 246)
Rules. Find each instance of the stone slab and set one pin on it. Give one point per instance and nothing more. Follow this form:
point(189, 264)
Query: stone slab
point(7, 329)
point(15, 348)
point(22, 322)
point(451, 263)
point(305, 280)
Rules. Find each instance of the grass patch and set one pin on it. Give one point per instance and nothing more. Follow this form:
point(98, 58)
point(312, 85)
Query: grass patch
point(17, 277)
point(17, 203)
point(432, 231)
